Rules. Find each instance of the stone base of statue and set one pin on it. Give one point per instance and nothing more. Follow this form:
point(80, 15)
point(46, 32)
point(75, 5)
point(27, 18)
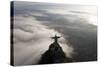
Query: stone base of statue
point(54, 54)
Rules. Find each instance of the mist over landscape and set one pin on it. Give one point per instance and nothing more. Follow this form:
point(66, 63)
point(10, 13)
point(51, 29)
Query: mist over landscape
point(34, 24)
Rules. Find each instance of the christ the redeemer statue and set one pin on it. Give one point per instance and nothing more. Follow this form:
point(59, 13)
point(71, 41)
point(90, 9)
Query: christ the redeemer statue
point(54, 54)
point(55, 38)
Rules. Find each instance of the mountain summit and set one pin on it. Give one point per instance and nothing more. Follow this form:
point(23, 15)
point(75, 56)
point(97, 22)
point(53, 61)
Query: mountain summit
point(54, 54)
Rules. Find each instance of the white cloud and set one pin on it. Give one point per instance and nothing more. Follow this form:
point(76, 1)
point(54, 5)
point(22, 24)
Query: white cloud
point(31, 39)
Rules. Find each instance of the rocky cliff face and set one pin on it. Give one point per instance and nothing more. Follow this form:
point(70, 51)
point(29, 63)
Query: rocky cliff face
point(54, 54)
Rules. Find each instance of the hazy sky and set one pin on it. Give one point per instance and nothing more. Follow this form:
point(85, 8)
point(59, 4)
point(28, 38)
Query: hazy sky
point(66, 1)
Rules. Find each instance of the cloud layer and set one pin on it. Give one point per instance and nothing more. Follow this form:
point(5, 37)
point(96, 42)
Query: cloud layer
point(31, 39)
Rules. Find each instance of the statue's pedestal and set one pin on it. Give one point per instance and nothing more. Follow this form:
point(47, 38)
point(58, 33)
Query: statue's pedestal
point(54, 54)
